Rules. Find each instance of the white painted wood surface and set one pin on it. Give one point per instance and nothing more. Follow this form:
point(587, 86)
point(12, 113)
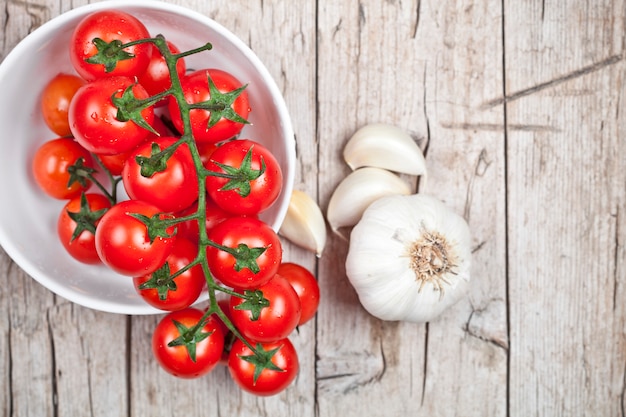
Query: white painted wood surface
point(518, 106)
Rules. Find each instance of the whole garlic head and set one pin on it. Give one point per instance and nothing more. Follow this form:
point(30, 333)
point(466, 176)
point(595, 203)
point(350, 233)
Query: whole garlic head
point(409, 258)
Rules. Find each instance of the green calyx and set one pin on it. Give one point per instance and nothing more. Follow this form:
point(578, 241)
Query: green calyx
point(85, 218)
point(129, 108)
point(262, 360)
point(189, 337)
point(161, 281)
point(109, 54)
point(254, 302)
point(239, 178)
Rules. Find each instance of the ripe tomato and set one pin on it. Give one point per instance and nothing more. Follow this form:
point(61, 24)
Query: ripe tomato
point(76, 226)
point(257, 177)
point(213, 215)
point(166, 294)
point(193, 355)
point(259, 380)
point(156, 78)
point(172, 187)
point(93, 117)
point(50, 167)
point(305, 284)
point(196, 89)
point(55, 102)
point(257, 247)
point(109, 25)
point(274, 318)
point(115, 163)
point(123, 243)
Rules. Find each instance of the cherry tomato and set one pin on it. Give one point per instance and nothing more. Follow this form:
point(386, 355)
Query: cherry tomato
point(261, 173)
point(50, 167)
point(156, 78)
point(93, 117)
point(257, 247)
point(109, 25)
point(276, 320)
point(123, 242)
point(305, 285)
point(266, 381)
point(206, 150)
point(172, 187)
point(161, 292)
point(196, 89)
point(213, 215)
point(55, 102)
point(115, 163)
point(76, 226)
point(193, 355)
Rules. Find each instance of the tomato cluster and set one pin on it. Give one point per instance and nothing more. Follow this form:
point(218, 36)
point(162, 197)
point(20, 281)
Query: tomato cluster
point(132, 114)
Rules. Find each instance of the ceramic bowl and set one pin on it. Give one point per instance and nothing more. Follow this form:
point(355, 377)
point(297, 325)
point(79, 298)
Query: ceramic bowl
point(28, 217)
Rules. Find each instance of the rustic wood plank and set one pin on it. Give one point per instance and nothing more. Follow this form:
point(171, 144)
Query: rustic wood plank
point(565, 73)
point(425, 74)
point(90, 361)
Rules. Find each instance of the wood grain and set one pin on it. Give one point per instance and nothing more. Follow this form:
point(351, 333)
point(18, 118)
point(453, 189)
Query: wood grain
point(518, 109)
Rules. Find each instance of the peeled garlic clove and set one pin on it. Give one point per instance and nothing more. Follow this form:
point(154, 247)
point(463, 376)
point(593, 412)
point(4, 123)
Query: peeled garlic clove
point(304, 223)
point(357, 191)
point(384, 146)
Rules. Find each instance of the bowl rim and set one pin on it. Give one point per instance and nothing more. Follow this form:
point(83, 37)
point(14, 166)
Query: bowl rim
point(37, 36)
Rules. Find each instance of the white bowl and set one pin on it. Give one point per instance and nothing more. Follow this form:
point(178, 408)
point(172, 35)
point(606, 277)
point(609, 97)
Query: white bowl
point(28, 217)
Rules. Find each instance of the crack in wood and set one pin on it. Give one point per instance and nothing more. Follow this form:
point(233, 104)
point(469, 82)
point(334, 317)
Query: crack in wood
point(53, 366)
point(612, 60)
point(496, 127)
point(417, 18)
point(468, 329)
point(616, 259)
point(425, 367)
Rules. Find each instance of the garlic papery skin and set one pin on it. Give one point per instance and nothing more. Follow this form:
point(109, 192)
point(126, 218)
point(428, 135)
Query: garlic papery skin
point(384, 146)
point(409, 258)
point(304, 223)
point(357, 191)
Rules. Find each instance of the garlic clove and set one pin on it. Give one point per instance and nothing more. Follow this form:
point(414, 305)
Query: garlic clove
point(357, 191)
point(304, 223)
point(384, 146)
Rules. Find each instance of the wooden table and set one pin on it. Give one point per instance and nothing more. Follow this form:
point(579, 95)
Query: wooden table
point(519, 108)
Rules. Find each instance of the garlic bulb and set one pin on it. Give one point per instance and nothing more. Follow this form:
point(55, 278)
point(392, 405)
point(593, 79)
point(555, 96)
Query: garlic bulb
point(357, 191)
point(384, 146)
point(409, 258)
point(304, 223)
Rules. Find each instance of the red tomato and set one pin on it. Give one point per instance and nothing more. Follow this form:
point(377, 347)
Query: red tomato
point(306, 287)
point(50, 167)
point(156, 78)
point(166, 294)
point(172, 187)
point(55, 102)
point(196, 89)
point(276, 320)
point(76, 226)
point(213, 215)
point(258, 248)
point(93, 117)
point(109, 25)
point(264, 381)
point(115, 163)
point(206, 150)
point(123, 243)
point(252, 188)
point(193, 355)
